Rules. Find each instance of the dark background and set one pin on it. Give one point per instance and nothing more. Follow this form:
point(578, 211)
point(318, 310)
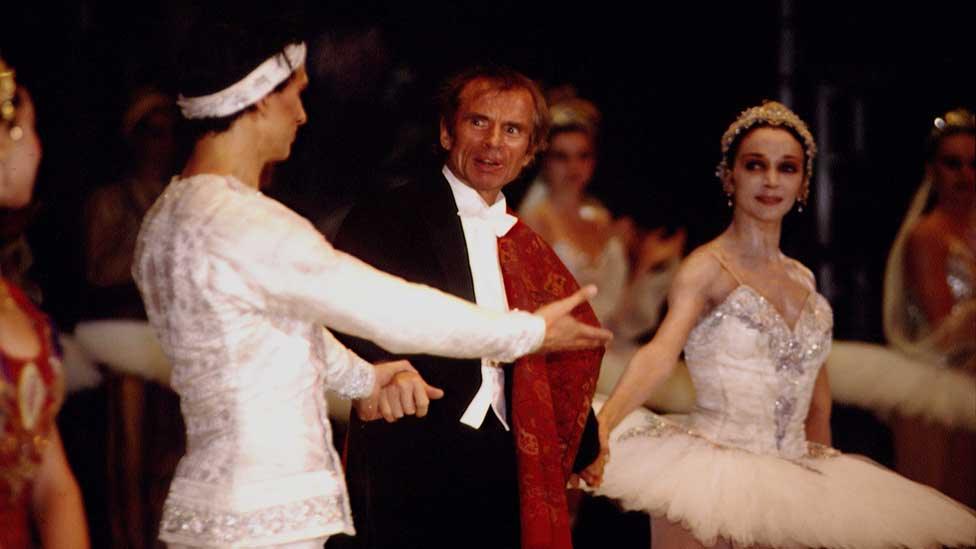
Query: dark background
point(868, 79)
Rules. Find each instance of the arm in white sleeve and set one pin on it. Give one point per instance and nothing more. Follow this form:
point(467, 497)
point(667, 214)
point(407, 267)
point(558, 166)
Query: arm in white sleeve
point(345, 372)
point(283, 257)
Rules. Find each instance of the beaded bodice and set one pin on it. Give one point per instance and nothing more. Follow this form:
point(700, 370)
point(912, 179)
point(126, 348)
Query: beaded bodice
point(754, 375)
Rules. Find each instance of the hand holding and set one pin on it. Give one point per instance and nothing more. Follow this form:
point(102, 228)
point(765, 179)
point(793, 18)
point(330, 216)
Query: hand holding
point(368, 408)
point(407, 394)
point(563, 332)
point(399, 391)
point(593, 474)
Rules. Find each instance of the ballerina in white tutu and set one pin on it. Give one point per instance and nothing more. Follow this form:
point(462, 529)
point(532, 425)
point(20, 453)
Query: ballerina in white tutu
point(752, 465)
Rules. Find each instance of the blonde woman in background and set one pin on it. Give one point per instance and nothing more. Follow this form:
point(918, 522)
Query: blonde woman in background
point(633, 269)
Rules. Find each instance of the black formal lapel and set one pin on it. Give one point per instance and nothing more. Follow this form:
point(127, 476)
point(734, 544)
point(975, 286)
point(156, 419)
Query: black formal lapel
point(447, 236)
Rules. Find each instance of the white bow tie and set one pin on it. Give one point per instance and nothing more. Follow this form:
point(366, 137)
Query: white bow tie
point(495, 217)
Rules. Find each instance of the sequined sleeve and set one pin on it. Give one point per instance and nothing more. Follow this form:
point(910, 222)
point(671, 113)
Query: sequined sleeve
point(296, 272)
point(345, 372)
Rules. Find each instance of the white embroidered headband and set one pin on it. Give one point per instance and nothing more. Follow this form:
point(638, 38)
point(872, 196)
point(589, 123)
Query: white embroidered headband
point(770, 113)
point(247, 91)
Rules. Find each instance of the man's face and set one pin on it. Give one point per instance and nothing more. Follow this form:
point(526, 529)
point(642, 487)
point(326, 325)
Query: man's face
point(490, 143)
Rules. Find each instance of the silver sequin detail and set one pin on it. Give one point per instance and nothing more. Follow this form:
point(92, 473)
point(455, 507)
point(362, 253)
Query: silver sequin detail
point(792, 351)
point(219, 527)
point(784, 407)
point(819, 451)
point(656, 426)
point(959, 274)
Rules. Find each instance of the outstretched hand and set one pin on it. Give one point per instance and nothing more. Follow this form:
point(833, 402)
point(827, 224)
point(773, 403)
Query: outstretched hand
point(399, 391)
point(565, 333)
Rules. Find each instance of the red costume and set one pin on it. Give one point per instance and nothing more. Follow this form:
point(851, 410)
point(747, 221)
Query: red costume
point(31, 392)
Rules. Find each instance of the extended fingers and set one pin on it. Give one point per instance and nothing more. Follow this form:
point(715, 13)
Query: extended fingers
point(419, 397)
point(579, 296)
point(434, 393)
point(396, 403)
point(385, 409)
point(407, 393)
point(600, 335)
point(584, 336)
point(390, 406)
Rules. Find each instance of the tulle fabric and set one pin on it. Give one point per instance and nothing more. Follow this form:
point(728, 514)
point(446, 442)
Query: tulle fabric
point(885, 381)
point(823, 499)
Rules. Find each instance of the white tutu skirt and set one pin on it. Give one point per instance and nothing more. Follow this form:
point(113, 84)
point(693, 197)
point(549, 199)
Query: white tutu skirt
point(824, 499)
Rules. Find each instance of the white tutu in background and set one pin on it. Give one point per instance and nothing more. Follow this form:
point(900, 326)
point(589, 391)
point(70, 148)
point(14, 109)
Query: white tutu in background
point(126, 346)
point(883, 380)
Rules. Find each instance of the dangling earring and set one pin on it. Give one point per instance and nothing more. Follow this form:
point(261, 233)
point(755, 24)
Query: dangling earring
point(803, 196)
point(727, 185)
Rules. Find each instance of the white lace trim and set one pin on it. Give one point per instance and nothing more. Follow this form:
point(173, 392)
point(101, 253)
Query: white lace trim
point(248, 90)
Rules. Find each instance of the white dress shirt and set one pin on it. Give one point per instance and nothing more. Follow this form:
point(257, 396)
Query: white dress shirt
point(483, 224)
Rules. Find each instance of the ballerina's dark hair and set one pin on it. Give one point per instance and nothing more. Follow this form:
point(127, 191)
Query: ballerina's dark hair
point(218, 54)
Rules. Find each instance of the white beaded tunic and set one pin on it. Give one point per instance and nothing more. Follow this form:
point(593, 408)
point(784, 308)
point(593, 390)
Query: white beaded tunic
point(238, 288)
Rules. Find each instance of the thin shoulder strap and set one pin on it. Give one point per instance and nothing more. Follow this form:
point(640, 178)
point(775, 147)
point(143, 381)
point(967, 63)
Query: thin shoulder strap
point(808, 279)
point(719, 255)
